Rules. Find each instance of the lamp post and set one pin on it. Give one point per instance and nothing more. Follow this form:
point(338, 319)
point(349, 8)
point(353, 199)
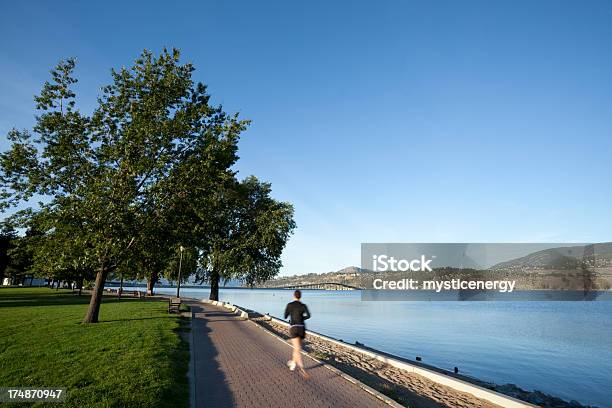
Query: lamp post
point(178, 285)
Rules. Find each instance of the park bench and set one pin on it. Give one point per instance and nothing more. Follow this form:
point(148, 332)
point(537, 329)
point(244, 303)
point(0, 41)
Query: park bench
point(174, 305)
point(138, 294)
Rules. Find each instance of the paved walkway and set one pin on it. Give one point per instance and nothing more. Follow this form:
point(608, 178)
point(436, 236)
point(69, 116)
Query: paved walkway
point(237, 364)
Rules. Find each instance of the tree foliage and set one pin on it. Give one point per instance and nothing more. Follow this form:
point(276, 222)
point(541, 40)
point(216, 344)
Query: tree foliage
point(250, 230)
point(149, 170)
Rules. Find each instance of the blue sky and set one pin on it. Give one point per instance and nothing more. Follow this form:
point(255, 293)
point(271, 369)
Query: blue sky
point(380, 121)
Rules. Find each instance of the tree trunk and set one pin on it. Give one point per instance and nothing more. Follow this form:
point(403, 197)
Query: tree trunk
point(151, 281)
point(120, 291)
point(214, 286)
point(96, 296)
point(80, 284)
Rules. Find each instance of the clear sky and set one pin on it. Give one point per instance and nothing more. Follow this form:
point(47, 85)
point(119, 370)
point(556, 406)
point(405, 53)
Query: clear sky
point(458, 121)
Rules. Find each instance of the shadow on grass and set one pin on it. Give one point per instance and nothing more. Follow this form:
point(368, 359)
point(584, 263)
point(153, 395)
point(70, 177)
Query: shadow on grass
point(132, 319)
point(104, 340)
point(19, 297)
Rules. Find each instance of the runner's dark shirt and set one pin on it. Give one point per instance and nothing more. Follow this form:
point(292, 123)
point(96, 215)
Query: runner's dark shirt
point(298, 312)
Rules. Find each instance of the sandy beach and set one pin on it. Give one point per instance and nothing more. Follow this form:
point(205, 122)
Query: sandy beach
point(409, 389)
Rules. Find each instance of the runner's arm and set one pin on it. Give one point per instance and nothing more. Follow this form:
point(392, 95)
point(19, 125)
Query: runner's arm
point(306, 313)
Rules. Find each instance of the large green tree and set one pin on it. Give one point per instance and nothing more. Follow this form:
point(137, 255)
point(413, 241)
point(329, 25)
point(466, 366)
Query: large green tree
point(104, 176)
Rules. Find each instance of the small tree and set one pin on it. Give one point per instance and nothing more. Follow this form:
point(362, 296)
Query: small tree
point(21, 256)
point(7, 241)
point(249, 234)
point(60, 255)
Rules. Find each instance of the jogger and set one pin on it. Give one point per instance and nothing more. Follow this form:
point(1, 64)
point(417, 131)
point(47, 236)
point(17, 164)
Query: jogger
point(298, 313)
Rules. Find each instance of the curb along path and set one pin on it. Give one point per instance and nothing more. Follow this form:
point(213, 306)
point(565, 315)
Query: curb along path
point(237, 364)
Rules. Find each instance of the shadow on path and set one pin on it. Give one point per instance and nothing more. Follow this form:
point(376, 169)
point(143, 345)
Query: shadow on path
point(211, 386)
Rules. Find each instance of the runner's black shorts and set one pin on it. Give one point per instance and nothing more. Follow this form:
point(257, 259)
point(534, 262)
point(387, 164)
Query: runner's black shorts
point(297, 331)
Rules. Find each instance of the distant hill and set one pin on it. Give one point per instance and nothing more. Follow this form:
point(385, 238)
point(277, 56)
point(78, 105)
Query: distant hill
point(351, 275)
point(351, 270)
point(568, 257)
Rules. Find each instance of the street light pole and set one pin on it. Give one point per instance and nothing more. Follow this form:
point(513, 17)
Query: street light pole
point(178, 285)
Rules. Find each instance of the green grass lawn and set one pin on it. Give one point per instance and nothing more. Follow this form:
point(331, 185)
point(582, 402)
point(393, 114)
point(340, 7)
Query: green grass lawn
point(133, 357)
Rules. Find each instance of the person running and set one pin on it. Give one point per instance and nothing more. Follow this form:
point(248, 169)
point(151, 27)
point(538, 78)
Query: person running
point(298, 313)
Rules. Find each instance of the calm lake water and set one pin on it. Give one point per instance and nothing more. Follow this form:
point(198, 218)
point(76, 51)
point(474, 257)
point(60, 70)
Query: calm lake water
point(561, 348)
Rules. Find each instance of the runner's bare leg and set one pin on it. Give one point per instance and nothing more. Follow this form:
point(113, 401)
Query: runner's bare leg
point(297, 347)
point(297, 355)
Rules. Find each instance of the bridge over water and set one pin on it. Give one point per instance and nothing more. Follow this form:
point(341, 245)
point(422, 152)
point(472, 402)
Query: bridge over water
point(319, 286)
point(305, 286)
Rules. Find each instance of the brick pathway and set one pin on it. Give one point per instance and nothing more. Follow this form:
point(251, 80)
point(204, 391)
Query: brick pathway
point(237, 364)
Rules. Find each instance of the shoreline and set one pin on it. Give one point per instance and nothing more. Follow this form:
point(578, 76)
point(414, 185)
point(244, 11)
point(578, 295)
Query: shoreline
point(407, 388)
